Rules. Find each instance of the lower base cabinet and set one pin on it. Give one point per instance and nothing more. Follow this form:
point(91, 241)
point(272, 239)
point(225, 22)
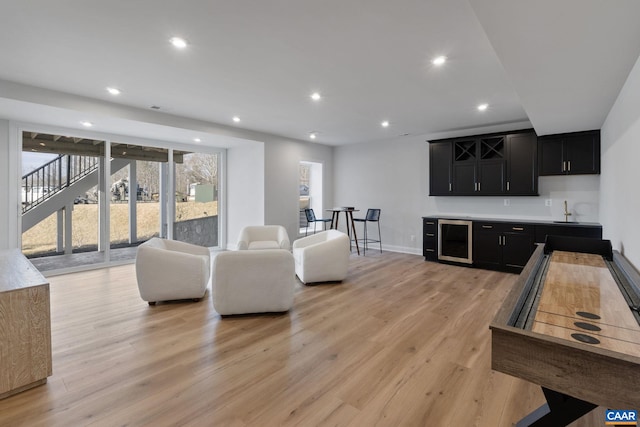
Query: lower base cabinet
point(430, 239)
point(502, 246)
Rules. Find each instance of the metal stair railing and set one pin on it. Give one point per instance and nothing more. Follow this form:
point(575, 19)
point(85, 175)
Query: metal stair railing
point(51, 178)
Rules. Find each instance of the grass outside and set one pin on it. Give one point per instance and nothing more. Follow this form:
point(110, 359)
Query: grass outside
point(41, 239)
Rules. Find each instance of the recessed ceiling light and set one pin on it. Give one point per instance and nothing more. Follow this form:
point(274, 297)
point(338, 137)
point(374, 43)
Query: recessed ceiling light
point(197, 139)
point(439, 60)
point(86, 124)
point(43, 144)
point(483, 107)
point(178, 42)
point(236, 119)
point(316, 96)
point(385, 124)
point(114, 91)
point(313, 135)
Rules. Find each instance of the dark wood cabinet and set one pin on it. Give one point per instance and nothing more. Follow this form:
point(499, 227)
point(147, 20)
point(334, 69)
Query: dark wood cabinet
point(522, 164)
point(502, 245)
point(487, 245)
point(440, 168)
point(430, 239)
point(479, 165)
point(570, 230)
point(485, 165)
point(575, 153)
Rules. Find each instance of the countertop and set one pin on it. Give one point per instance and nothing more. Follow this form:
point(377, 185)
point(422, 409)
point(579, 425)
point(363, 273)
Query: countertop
point(17, 272)
point(517, 220)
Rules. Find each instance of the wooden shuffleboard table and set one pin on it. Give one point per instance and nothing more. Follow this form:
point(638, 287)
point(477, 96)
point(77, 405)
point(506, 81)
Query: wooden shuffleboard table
point(572, 325)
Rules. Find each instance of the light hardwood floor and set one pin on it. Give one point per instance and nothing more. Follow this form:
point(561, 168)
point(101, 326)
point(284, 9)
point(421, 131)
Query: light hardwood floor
point(401, 342)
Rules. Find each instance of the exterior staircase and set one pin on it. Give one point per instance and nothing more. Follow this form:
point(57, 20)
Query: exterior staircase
point(57, 184)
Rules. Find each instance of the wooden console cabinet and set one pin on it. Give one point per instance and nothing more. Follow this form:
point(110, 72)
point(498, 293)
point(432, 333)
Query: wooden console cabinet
point(25, 325)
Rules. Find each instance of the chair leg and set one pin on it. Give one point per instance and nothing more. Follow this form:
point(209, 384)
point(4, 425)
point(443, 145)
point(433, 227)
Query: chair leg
point(379, 237)
point(364, 251)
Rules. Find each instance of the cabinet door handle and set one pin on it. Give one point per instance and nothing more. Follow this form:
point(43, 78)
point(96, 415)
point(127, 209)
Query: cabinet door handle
point(431, 250)
point(430, 235)
point(564, 166)
point(478, 186)
point(518, 228)
point(487, 226)
point(569, 166)
point(499, 240)
point(504, 240)
point(507, 185)
point(430, 223)
point(449, 186)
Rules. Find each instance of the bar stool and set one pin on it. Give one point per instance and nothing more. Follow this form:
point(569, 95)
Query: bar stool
point(311, 217)
point(373, 215)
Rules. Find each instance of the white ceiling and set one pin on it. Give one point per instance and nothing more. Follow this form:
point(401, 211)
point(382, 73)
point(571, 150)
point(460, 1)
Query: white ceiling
point(558, 63)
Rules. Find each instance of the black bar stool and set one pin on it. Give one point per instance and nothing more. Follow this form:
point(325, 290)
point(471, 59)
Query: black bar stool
point(311, 217)
point(373, 215)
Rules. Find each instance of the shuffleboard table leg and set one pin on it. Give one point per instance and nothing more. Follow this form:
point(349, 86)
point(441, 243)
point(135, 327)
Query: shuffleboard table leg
point(560, 410)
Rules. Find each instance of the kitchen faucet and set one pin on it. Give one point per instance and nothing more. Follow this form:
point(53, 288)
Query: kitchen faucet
point(567, 214)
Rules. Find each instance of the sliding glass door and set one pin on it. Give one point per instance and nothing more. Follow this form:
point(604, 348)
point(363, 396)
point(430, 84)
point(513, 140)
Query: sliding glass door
point(86, 201)
point(196, 198)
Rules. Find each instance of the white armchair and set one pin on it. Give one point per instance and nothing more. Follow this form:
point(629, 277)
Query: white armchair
point(264, 237)
point(172, 270)
point(322, 257)
point(253, 281)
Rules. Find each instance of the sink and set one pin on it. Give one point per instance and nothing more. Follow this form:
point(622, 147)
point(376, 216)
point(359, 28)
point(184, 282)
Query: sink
point(565, 222)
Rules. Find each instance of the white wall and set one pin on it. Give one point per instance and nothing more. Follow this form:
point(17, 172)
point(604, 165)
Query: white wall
point(263, 184)
point(620, 195)
point(394, 175)
point(244, 189)
point(282, 180)
point(5, 161)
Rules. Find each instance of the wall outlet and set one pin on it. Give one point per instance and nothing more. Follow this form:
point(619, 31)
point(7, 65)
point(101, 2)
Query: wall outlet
point(413, 238)
point(547, 202)
point(507, 202)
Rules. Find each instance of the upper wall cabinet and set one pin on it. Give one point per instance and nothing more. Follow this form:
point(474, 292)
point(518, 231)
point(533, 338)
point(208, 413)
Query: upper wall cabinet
point(570, 153)
point(484, 165)
point(440, 168)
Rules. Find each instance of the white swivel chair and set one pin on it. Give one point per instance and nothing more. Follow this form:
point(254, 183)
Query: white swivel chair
point(253, 281)
point(172, 270)
point(322, 257)
point(264, 237)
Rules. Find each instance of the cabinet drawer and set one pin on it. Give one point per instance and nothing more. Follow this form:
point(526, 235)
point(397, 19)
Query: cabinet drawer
point(519, 228)
point(502, 227)
point(486, 226)
point(430, 225)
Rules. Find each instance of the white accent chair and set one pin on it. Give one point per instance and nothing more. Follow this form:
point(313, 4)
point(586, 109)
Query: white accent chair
point(172, 270)
point(253, 281)
point(322, 257)
point(264, 237)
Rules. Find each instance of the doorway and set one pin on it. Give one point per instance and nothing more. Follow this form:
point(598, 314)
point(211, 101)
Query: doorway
point(310, 191)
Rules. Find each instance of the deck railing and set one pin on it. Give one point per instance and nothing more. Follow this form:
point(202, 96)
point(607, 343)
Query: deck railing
point(51, 178)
